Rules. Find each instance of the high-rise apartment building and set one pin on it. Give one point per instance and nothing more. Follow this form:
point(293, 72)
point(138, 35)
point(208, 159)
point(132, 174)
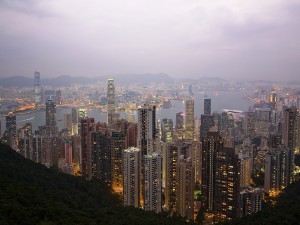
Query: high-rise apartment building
point(131, 177)
point(153, 182)
point(250, 200)
point(189, 119)
point(111, 100)
point(146, 130)
point(278, 170)
point(11, 127)
point(50, 112)
point(185, 188)
point(250, 124)
point(117, 142)
point(170, 171)
point(86, 147)
point(179, 128)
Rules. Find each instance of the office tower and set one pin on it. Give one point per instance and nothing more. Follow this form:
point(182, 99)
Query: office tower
point(50, 112)
point(75, 113)
point(37, 88)
point(131, 135)
point(117, 147)
point(179, 125)
point(153, 182)
point(131, 177)
point(171, 158)
point(68, 121)
point(189, 119)
point(278, 169)
point(146, 130)
point(167, 130)
point(11, 127)
point(25, 140)
point(227, 185)
point(86, 147)
point(207, 121)
point(207, 106)
point(111, 101)
point(210, 145)
point(250, 124)
point(185, 188)
point(250, 200)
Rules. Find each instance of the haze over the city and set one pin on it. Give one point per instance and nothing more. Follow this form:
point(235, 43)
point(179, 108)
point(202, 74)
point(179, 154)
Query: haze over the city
point(228, 39)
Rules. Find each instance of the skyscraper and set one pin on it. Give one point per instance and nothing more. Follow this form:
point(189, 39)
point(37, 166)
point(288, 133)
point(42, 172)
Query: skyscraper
point(278, 170)
point(50, 112)
point(111, 100)
point(11, 127)
point(167, 130)
point(250, 124)
point(171, 158)
point(86, 147)
point(117, 147)
point(207, 121)
point(227, 184)
point(211, 144)
point(185, 188)
point(153, 182)
point(179, 125)
point(131, 177)
point(37, 88)
point(189, 119)
point(146, 129)
point(207, 106)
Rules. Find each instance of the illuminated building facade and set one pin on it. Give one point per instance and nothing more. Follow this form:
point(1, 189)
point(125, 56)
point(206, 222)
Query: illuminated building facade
point(131, 177)
point(185, 188)
point(111, 100)
point(153, 182)
point(189, 119)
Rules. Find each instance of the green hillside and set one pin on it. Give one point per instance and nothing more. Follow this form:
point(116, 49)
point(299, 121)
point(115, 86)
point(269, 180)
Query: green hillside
point(30, 193)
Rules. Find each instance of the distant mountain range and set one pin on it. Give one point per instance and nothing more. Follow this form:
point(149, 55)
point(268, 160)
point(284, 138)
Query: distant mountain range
point(65, 80)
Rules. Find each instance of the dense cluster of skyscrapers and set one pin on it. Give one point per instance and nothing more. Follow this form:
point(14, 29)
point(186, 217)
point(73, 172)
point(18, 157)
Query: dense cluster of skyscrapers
point(159, 165)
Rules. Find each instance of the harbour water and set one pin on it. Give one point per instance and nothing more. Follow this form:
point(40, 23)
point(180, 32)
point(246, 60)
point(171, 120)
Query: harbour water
point(219, 101)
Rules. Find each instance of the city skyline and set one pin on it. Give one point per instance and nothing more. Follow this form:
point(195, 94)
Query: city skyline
point(226, 39)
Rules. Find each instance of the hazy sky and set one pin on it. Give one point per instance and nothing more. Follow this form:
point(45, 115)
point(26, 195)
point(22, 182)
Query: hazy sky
point(183, 38)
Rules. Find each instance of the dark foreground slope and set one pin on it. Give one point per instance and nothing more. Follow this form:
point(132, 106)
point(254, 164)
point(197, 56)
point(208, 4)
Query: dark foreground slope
point(285, 212)
point(32, 194)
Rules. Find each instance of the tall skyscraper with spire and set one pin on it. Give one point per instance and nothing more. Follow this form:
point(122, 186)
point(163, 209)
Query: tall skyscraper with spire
point(111, 100)
point(37, 88)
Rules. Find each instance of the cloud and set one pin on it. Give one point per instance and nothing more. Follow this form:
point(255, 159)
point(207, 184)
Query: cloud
point(182, 38)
